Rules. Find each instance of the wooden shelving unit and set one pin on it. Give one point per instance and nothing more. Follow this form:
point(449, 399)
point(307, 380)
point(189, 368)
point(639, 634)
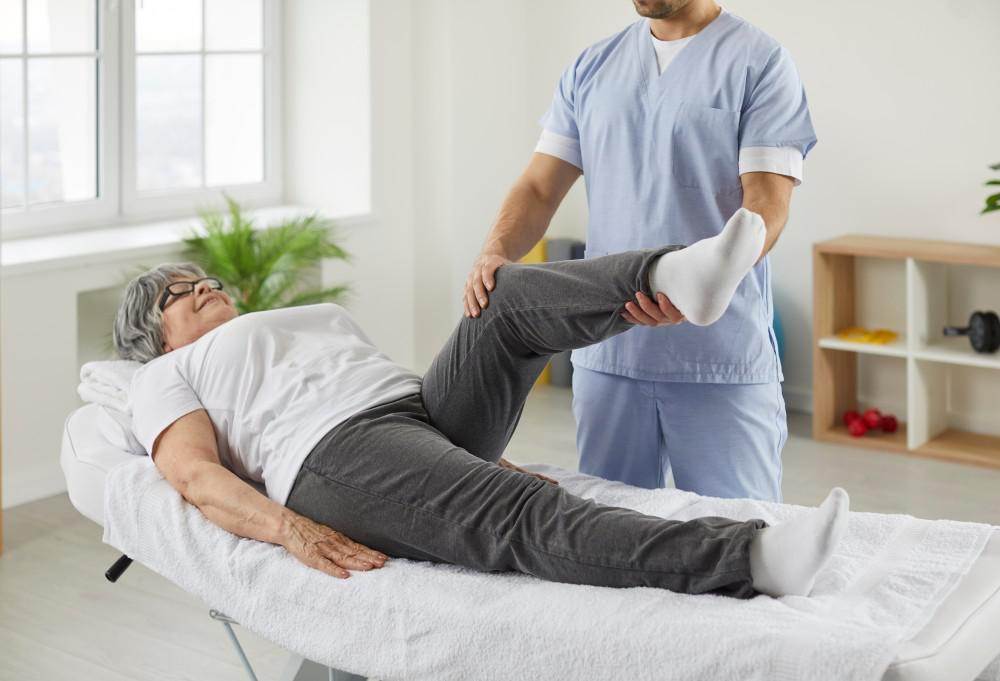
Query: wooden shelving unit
point(929, 356)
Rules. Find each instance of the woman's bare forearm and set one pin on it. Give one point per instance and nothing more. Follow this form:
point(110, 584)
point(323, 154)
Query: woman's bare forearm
point(234, 505)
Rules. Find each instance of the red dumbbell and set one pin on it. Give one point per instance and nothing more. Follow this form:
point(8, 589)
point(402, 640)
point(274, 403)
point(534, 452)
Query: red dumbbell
point(872, 418)
point(857, 427)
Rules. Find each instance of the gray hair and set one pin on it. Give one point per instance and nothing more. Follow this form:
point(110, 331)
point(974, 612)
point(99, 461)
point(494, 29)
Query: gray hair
point(138, 332)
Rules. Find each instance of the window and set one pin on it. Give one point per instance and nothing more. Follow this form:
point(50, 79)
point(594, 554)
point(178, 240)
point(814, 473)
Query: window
point(121, 110)
point(49, 102)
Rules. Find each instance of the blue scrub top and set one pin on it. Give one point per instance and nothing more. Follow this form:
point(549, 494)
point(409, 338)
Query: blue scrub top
point(660, 161)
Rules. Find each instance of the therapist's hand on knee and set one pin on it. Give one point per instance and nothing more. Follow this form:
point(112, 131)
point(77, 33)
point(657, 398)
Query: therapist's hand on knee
point(481, 280)
point(647, 312)
point(325, 549)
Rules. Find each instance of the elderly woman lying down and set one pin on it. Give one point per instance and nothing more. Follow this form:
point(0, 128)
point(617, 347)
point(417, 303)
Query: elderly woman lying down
point(362, 460)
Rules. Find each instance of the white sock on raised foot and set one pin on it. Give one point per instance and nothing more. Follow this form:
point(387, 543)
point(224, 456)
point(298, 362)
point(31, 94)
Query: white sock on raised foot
point(701, 279)
point(785, 558)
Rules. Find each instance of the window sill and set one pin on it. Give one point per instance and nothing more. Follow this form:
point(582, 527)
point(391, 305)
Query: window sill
point(127, 243)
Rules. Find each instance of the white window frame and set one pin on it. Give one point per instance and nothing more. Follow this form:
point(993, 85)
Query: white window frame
point(118, 202)
point(62, 216)
point(169, 203)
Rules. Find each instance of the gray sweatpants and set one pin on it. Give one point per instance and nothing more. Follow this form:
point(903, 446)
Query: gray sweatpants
point(416, 478)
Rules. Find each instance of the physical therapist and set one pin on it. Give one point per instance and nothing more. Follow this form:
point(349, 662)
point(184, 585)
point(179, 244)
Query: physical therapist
point(675, 123)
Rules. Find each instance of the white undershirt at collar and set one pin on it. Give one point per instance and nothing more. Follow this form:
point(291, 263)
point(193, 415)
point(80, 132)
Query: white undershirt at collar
point(666, 50)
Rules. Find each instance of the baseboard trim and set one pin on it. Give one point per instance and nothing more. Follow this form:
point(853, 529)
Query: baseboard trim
point(24, 488)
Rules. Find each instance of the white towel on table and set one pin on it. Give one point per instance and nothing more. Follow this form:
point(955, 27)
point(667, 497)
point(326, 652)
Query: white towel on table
point(107, 383)
point(418, 620)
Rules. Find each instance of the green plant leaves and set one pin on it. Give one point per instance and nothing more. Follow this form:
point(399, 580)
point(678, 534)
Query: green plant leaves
point(992, 204)
point(266, 269)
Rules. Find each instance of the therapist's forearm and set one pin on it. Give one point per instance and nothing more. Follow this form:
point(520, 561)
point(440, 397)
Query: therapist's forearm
point(232, 504)
point(522, 221)
point(769, 195)
point(775, 215)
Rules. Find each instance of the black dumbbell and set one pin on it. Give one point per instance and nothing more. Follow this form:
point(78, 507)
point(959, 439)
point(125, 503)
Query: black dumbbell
point(983, 331)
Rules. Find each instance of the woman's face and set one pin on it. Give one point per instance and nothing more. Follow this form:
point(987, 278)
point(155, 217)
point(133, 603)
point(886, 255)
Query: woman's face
point(189, 316)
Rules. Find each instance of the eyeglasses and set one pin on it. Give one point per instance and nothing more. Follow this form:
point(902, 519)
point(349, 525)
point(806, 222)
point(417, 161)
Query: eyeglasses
point(182, 288)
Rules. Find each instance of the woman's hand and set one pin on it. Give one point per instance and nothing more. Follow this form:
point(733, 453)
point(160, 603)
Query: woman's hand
point(327, 550)
point(504, 463)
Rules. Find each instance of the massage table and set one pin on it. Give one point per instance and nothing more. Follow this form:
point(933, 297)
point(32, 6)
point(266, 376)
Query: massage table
point(960, 640)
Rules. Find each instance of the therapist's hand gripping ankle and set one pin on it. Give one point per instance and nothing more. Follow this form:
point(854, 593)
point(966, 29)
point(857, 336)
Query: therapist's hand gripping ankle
point(647, 312)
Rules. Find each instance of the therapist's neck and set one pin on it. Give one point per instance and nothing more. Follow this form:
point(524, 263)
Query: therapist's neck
point(686, 21)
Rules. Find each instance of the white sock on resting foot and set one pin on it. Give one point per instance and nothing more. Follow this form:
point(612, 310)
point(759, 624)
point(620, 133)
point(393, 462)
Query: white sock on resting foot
point(701, 279)
point(785, 558)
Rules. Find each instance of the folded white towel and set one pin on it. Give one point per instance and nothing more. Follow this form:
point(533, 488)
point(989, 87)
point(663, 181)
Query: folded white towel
point(418, 620)
point(107, 383)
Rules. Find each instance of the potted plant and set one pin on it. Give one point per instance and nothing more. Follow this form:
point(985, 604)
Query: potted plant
point(264, 269)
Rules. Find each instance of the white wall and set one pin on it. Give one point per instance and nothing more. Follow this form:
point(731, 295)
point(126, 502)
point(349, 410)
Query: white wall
point(472, 122)
point(327, 72)
point(50, 327)
point(903, 96)
point(327, 103)
point(433, 175)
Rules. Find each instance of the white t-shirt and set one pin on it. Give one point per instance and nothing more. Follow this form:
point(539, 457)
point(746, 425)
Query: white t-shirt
point(273, 384)
point(778, 160)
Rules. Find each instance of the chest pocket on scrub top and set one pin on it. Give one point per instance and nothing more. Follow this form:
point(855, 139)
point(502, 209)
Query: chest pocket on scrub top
point(705, 148)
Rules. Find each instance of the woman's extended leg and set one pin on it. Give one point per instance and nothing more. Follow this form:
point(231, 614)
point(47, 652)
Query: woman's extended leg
point(390, 480)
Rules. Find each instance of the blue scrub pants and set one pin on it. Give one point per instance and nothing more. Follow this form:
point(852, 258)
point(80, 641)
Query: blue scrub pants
point(720, 440)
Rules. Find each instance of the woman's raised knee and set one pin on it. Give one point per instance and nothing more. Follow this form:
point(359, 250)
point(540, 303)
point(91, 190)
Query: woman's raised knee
point(513, 281)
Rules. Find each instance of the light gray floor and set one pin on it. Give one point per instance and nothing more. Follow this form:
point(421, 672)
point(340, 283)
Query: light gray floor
point(59, 618)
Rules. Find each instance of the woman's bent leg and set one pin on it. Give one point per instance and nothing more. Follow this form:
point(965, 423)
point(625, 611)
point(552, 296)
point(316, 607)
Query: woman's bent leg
point(476, 387)
point(390, 480)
